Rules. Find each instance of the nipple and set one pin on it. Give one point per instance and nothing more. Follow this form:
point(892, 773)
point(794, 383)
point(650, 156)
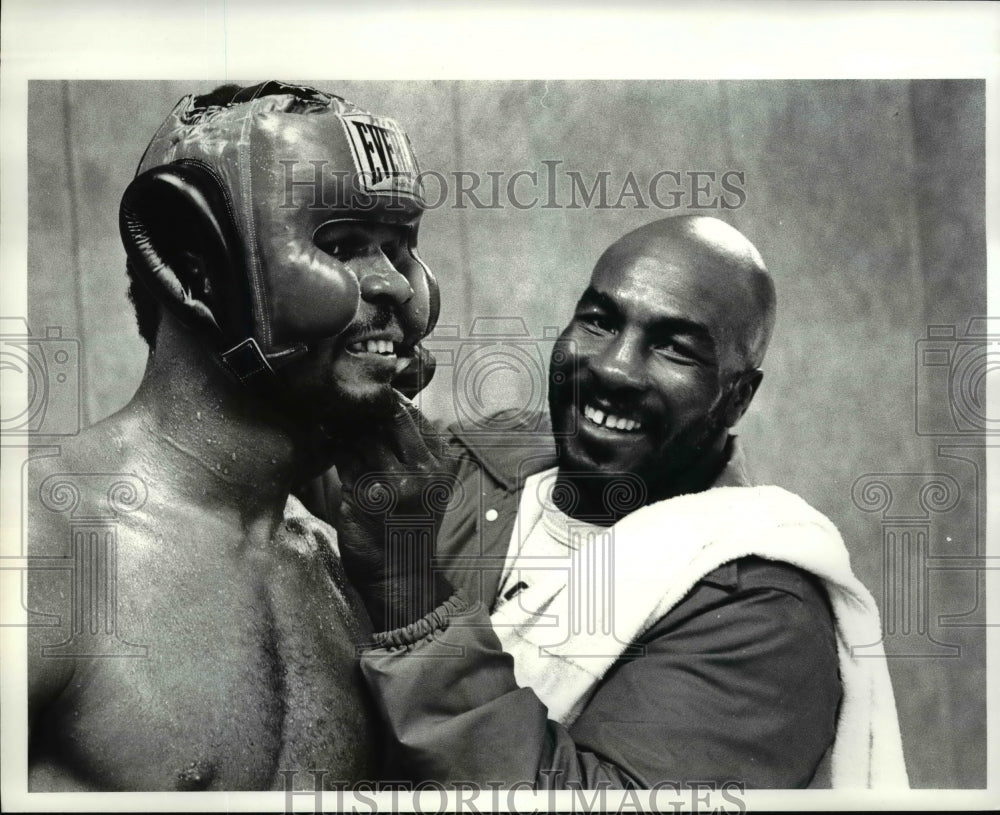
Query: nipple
point(195, 776)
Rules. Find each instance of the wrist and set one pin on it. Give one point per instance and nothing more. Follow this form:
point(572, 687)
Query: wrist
point(395, 601)
point(436, 620)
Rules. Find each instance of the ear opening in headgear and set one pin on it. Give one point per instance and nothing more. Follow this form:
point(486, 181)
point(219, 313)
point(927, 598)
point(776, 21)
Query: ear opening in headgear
point(182, 242)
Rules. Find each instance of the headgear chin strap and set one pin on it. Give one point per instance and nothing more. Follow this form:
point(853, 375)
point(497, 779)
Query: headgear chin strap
point(219, 222)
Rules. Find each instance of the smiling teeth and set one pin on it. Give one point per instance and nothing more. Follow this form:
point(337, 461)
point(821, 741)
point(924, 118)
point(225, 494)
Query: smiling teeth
point(387, 347)
point(609, 420)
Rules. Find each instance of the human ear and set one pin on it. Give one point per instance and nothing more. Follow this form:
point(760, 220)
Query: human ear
point(742, 390)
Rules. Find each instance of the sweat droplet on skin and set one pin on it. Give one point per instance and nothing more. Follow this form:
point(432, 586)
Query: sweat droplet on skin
point(234, 456)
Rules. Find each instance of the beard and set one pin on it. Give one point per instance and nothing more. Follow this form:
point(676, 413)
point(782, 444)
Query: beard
point(340, 412)
point(680, 461)
point(340, 394)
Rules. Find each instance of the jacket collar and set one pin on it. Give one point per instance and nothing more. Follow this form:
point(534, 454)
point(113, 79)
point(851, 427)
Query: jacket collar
point(511, 455)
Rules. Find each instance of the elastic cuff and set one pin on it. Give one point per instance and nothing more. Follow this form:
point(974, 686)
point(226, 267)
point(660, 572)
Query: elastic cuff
point(437, 620)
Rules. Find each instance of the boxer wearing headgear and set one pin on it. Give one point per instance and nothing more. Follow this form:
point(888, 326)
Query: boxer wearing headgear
point(278, 192)
point(270, 234)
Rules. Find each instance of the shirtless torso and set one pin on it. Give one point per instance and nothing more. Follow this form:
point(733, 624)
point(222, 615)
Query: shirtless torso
point(247, 627)
point(278, 317)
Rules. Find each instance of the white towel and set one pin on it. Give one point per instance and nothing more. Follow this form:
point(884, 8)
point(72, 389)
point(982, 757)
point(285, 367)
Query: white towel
point(645, 564)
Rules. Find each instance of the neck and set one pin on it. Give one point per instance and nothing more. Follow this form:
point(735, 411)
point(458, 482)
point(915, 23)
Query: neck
point(206, 439)
point(698, 475)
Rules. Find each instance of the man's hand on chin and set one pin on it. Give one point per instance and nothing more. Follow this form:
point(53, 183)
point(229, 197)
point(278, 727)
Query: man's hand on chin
point(395, 489)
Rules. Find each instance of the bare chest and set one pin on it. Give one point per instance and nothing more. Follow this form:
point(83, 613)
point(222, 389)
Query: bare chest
point(244, 675)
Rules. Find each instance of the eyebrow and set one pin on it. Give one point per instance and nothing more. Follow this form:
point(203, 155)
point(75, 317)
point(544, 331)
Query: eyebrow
point(671, 324)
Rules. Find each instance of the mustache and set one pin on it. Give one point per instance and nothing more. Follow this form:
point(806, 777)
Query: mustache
point(377, 320)
point(624, 403)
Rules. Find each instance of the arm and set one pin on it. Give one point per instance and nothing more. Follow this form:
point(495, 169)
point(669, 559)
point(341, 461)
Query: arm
point(48, 593)
point(738, 683)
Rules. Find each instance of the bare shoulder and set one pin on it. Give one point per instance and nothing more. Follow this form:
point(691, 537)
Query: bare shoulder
point(69, 495)
point(85, 479)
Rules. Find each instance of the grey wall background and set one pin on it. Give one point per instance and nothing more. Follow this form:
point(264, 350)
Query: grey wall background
point(866, 200)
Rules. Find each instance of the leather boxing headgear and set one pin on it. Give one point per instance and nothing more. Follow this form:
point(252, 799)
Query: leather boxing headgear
point(242, 189)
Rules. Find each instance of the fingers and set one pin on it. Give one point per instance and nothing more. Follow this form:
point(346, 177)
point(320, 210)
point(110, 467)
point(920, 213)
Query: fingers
point(406, 443)
point(413, 438)
point(350, 464)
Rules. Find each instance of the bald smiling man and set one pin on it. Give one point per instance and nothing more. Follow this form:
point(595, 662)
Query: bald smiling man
point(628, 610)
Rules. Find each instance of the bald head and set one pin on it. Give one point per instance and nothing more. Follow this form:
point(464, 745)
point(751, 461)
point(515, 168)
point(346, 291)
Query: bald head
point(718, 263)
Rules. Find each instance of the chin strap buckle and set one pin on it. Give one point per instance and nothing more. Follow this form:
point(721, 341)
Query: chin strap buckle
point(246, 361)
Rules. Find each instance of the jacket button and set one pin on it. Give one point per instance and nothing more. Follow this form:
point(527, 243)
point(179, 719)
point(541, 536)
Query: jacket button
point(492, 515)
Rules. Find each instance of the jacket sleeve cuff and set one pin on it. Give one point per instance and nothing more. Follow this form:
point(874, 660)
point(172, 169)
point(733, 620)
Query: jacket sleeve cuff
point(437, 620)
